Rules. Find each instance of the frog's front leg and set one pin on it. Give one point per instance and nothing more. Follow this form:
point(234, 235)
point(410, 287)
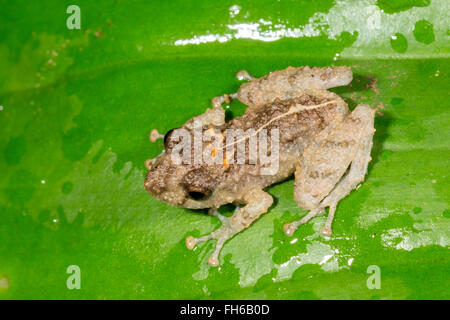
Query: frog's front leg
point(257, 202)
point(217, 102)
point(322, 178)
point(214, 116)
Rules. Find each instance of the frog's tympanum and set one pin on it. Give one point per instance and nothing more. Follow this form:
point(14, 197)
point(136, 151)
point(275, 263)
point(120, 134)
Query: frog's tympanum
point(292, 119)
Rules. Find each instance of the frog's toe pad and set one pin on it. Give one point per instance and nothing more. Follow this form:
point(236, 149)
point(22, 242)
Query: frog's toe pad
point(326, 232)
point(191, 242)
point(213, 260)
point(289, 229)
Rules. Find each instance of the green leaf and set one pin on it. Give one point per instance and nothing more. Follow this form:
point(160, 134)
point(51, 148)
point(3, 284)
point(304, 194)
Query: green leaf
point(77, 107)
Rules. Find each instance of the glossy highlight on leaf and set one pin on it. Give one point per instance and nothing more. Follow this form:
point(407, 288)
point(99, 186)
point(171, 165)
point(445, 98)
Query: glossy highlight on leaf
point(77, 107)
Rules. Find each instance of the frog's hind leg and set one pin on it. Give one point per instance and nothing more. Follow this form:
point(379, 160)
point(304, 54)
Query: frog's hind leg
point(227, 98)
point(214, 116)
point(331, 168)
point(257, 203)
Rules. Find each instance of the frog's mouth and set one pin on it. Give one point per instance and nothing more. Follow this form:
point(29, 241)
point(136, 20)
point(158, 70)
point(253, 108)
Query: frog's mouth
point(163, 182)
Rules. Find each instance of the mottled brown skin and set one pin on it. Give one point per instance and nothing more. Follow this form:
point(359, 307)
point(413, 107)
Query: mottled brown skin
point(172, 183)
point(321, 125)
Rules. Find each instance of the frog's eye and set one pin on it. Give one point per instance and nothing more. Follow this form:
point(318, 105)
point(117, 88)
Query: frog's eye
point(167, 137)
point(197, 195)
point(198, 192)
point(198, 184)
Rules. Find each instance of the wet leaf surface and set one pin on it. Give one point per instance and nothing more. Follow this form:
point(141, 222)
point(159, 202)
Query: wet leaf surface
point(77, 107)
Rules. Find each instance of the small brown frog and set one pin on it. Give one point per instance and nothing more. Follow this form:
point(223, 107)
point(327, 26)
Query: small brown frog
point(317, 139)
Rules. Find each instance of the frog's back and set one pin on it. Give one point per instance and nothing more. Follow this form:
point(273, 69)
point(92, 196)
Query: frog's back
point(291, 82)
point(298, 120)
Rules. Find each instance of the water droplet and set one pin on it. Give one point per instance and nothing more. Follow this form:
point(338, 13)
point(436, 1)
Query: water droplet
point(325, 259)
point(391, 7)
point(396, 100)
point(399, 43)
point(234, 10)
point(1, 108)
point(67, 187)
point(423, 32)
point(43, 181)
point(446, 213)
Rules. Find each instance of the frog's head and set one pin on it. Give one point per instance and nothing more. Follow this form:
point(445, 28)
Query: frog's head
point(180, 184)
point(163, 180)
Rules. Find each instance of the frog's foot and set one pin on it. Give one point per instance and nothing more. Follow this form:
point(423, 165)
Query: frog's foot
point(243, 75)
point(332, 174)
point(289, 228)
point(257, 201)
point(155, 135)
point(225, 232)
point(217, 102)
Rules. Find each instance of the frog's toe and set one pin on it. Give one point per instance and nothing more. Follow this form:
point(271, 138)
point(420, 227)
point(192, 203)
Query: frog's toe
point(221, 235)
point(191, 242)
point(289, 228)
point(155, 135)
point(243, 75)
point(213, 260)
point(326, 232)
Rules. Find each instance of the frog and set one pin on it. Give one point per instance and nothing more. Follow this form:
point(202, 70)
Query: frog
point(321, 143)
